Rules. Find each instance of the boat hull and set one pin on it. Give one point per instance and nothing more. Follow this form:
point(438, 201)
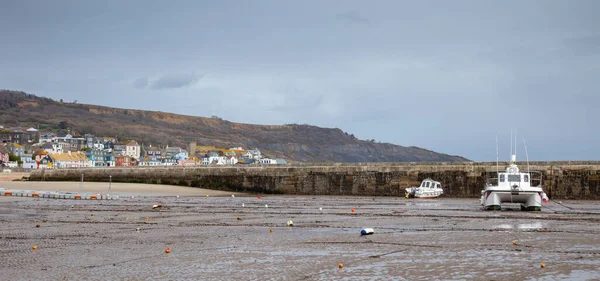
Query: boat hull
point(529, 200)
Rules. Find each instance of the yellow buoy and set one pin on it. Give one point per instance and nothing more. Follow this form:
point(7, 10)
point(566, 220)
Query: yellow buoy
point(34, 248)
point(167, 250)
point(543, 265)
point(340, 265)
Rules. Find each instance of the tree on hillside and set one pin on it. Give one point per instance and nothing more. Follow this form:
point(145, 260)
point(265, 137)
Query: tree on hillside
point(63, 125)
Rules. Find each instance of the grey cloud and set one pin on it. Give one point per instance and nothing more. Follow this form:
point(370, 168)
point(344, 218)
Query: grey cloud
point(353, 17)
point(405, 72)
point(174, 81)
point(583, 46)
point(140, 83)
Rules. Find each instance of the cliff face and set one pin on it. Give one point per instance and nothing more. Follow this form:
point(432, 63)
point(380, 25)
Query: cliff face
point(293, 142)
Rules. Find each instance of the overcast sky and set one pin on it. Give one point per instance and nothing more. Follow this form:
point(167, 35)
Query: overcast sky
point(444, 75)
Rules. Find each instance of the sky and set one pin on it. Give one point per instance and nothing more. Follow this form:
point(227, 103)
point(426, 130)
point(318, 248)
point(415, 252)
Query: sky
point(449, 76)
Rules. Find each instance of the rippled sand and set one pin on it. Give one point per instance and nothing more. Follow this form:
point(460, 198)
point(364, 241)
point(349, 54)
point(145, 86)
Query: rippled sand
point(443, 239)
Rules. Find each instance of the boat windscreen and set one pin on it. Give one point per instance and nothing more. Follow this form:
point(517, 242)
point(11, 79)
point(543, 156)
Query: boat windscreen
point(514, 178)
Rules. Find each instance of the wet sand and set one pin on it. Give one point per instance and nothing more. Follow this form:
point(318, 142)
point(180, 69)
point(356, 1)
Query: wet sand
point(443, 239)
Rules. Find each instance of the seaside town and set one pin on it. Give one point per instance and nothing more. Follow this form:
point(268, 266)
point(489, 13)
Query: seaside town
point(29, 148)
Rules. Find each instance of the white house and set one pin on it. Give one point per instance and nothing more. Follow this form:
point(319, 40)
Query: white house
point(132, 149)
point(255, 154)
point(51, 147)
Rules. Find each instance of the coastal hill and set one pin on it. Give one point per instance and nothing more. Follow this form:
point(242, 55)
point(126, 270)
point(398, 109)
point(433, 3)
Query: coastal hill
point(293, 142)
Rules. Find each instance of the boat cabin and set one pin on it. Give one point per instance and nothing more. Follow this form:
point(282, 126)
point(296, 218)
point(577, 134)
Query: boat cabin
point(513, 177)
point(429, 183)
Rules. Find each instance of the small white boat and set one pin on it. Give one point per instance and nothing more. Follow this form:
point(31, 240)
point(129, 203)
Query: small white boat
point(512, 186)
point(428, 189)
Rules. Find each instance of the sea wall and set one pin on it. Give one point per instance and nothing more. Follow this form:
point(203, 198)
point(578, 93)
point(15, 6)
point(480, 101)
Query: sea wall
point(560, 180)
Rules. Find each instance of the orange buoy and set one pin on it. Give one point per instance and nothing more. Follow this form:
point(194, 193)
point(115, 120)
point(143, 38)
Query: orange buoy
point(238, 218)
point(77, 196)
point(543, 265)
point(270, 230)
point(92, 196)
point(7, 193)
point(35, 194)
point(354, 211)
point(340, 265)
point(259, 197)
point(34, 248)
point(167, 250)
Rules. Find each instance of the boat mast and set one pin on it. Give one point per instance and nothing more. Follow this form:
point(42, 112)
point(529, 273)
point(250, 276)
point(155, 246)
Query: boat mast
point(511, 142)
point(497, 164)
point(526, 155)
point(515, 145)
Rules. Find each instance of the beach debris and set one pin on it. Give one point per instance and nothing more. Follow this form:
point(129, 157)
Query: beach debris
point(367, 231)
point(243, 205)
point(91, 215)
point(156, 206)
point(354, 211)
point(132, 197)
point(320, 209)
point(72, 206)
point(290, 223)
point(514, 242)
point(543, 265)
point(177, 196)
point(258, 197)
point(34, 247)
point(147, 218)
point(37, 225)
point(137, 229)
point(232, 196)
point(45, 221)
point(206, 195)
point(167, 250)
point(266, 206)
point(238, 218)
point(340, 265)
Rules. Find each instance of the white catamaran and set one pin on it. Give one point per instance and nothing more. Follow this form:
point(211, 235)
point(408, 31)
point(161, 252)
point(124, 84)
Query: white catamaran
point(513, 186)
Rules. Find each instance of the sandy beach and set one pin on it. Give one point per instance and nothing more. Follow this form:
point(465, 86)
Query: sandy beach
point(225, 238)
point(4, 177)
point(125, 189)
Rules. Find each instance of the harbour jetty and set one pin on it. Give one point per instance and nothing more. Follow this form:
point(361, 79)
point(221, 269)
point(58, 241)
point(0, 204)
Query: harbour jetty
point(560, 180)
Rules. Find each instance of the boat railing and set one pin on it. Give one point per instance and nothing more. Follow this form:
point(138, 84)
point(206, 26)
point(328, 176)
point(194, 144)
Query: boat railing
point(535, 178)
point(491, 178)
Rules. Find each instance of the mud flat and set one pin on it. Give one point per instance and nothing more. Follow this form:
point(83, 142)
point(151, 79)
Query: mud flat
point(445, 239)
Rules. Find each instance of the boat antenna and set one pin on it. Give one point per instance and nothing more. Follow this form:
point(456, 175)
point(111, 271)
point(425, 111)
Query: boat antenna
point(511, 142)
point(497, 167)
point(515, 145)
point(526, 155)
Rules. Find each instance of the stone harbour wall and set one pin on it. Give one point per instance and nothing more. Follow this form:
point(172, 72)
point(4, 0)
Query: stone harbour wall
point(560, 180)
